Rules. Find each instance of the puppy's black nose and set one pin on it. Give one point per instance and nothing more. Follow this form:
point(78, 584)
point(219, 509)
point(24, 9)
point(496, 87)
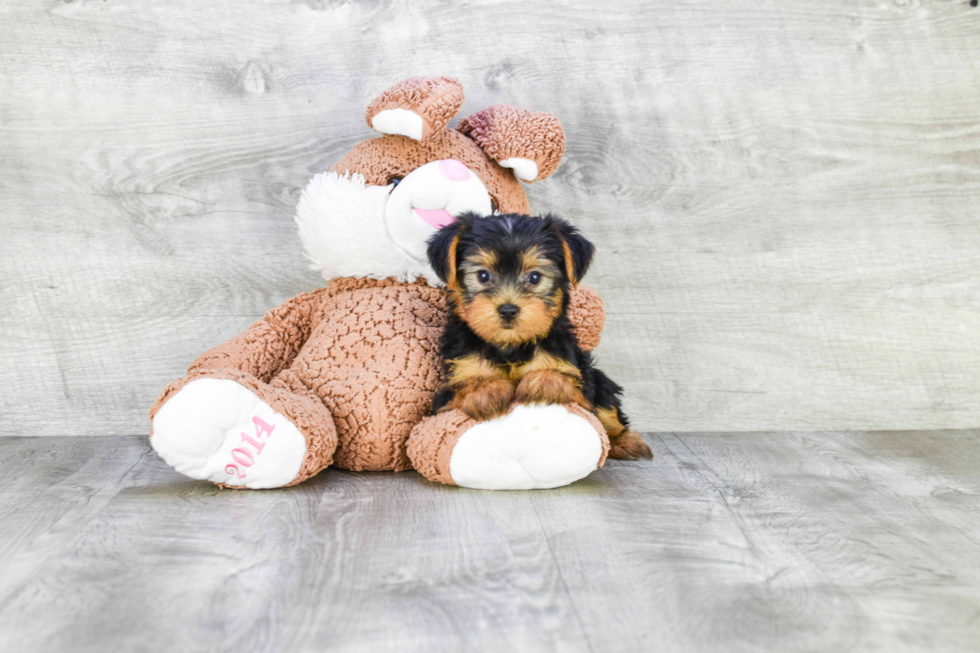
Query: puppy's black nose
point(508, 311)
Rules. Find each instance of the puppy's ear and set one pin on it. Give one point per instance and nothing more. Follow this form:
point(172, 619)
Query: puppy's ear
point(442, 249)
point(577, 250)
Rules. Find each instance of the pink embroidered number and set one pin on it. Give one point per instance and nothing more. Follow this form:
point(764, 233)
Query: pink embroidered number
point(242, 455)
point(255, 443)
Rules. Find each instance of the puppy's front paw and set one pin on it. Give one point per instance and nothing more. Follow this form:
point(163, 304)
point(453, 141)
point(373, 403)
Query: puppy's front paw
point(548, 387)
point(485, 399)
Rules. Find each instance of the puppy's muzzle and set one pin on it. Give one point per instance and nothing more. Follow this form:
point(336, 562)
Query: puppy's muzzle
point(508, 312)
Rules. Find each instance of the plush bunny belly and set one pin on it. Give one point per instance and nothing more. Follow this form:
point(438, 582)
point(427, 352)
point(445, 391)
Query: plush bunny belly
point(374, 363)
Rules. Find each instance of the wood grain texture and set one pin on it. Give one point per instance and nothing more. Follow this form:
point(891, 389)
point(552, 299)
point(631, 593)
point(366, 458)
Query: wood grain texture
point(784, 195)
point(736, 541)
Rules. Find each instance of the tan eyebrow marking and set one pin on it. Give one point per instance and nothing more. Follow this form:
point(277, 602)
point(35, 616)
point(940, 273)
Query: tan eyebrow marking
point(481, 258)
point(534, 258)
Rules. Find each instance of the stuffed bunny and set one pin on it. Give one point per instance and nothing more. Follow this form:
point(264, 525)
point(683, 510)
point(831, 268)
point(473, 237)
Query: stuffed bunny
point(345, 375)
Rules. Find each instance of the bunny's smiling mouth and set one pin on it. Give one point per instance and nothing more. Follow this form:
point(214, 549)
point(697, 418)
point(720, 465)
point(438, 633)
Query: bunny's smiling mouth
point(438, 218)
point(440, 190)
point(429, 198)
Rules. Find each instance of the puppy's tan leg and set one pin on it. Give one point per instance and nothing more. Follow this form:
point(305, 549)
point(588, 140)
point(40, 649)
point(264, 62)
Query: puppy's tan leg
point(484, 398)
point(623, 443)
point(550, 387)
point(480, 389)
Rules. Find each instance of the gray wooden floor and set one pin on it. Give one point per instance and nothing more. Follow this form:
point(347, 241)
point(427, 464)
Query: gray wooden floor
point(725, 542)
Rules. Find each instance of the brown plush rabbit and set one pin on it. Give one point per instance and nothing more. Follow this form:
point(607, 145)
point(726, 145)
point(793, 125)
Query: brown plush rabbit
point(345, 375)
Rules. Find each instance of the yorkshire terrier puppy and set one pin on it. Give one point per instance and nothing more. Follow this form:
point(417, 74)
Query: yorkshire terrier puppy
point(509, 338)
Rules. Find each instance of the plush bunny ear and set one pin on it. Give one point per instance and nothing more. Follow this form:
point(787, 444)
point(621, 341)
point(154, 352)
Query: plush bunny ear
point(532, 144)
point(417, 107)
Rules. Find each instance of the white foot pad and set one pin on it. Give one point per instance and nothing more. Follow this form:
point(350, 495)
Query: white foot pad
point(218, 430)
point(534, 447)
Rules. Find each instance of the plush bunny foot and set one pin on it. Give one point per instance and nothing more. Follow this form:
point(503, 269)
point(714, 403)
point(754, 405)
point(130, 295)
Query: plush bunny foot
point(532, 447)
point(222, 431)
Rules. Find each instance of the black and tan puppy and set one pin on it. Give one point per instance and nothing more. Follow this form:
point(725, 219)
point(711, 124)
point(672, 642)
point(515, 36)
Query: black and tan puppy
point(508, 337)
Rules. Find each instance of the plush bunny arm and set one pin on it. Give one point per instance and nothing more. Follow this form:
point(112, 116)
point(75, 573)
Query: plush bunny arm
point(587, 315)
point(269, 345)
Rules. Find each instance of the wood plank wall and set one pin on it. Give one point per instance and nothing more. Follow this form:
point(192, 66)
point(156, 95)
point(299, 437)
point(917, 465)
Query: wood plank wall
point(785, 195)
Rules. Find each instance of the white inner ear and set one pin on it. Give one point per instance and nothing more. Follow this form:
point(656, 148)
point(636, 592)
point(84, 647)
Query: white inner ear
point(525, 169)
point(402, 122)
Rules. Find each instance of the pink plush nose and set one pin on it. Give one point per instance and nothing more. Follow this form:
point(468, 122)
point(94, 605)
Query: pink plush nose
point(454, 170)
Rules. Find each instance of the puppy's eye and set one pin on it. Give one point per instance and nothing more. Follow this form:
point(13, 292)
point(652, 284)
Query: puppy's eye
point(483, 276)
point(393, 182)
point(534, 278)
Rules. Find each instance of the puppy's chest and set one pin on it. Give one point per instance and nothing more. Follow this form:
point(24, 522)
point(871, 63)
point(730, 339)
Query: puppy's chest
point(516, 367)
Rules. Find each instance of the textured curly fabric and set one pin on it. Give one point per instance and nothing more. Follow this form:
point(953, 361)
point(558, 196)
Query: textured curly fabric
point(375, 366)
point(382, 158)
point(435, 99)
point(431, 443)
point(339, 285)
point(585, 310)
point(504, 132)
